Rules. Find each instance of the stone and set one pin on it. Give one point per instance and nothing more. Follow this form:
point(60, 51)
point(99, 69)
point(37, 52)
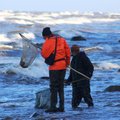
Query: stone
point(8, 118)
point(78, 38)
point(45, 78)
point(114, 88)
point(10, 72)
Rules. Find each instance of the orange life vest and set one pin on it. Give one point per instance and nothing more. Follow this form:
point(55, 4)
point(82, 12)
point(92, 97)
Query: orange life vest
point(62, 52)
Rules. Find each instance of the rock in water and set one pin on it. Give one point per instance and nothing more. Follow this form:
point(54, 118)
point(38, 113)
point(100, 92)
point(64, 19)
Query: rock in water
point(119, 70)
point(43, 99)
point(78, 38)
point(8, 118)
point(45, 78)
point(112, 88)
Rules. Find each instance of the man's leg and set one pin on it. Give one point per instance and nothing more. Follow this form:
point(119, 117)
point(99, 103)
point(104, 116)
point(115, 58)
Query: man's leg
point(87, 96)
point(76, 97)
point(61, 89)
point(53, 89)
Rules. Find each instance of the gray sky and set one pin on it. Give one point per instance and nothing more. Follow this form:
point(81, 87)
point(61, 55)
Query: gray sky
point(61, 5)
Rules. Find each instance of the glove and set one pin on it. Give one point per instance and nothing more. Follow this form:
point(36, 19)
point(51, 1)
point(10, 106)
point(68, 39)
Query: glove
point(39, 45)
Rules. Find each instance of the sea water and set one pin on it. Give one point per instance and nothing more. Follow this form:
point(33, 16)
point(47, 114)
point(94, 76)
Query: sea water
point(19, 85)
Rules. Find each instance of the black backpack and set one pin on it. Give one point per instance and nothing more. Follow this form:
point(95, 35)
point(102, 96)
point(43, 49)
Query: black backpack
point(51, 59)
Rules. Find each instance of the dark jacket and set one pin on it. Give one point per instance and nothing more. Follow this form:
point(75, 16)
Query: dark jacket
point(81, 63)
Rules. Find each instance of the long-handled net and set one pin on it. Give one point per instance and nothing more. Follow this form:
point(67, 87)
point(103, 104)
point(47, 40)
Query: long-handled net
point(29, 52)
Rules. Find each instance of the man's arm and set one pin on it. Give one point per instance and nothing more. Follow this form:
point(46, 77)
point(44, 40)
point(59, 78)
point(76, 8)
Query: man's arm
point(89, 68)
point(67, 52)
point(46, 49)
point(69, 80)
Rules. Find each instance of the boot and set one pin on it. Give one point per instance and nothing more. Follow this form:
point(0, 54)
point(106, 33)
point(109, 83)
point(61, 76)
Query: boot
point(52, 110)
point(61, 109)
point(90, 105)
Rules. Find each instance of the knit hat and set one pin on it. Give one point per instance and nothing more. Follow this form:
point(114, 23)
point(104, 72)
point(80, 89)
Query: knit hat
point(75, 48)
point(46, 31)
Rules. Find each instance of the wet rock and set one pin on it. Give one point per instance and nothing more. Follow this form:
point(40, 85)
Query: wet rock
point(28, 80)
point(10, 106)
point(10, 72)
point(45, 78)
point(78, 38)
point(119, 70)
point(1, 102)
point(43, 99)
point(112, 88)
point(7, 118)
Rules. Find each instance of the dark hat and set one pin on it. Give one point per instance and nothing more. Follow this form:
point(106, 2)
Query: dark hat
point(46, 31)
point(75, 48)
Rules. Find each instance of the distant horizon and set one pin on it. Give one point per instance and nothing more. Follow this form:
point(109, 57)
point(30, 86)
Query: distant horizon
point(57, 11)
point(105, 6)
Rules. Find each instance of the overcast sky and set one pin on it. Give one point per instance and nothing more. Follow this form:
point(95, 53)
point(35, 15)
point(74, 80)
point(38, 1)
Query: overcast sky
point(61, 5)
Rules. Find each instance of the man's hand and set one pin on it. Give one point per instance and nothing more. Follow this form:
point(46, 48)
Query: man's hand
point(39, 45)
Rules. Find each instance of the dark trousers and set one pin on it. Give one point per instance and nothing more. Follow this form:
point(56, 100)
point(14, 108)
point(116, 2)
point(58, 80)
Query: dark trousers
point(57, 88)
point(81, 90)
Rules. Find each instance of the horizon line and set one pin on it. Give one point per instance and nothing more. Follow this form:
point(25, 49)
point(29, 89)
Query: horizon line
point(72, 11)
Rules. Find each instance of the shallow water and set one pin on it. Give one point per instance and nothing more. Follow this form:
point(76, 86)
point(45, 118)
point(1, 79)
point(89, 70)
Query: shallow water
point(18, 86)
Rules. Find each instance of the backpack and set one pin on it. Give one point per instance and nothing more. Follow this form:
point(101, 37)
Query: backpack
point(51, 59)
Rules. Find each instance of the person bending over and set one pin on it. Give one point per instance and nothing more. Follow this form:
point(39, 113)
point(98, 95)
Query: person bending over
point(80, 84)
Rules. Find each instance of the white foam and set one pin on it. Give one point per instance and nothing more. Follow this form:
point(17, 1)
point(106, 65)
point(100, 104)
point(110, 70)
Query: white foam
point(2, 19)
point(3, 47)
point(55, 17)
point(107, 48)
point(66, 33)
point(93, 48)
point(6, 13)
point(3, 38)
point(104, 20)
point(69, 20)
point(29, 35)
point(37, 69)
point(108, 65)
point(11, 22)
point(21, 22)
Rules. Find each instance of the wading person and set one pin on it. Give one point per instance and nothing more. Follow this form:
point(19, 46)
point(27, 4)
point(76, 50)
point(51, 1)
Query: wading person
point(58, 46)
point(80, 84)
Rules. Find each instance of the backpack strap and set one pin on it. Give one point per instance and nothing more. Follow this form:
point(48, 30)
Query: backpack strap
point(59, 59)
point(55, 46)
point(56, 50)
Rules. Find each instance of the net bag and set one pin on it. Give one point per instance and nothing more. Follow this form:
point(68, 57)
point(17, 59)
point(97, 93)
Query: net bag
point(29, 52)
point(43, 99)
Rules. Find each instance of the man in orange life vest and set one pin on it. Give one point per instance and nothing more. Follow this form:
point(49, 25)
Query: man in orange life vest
point(58, 69)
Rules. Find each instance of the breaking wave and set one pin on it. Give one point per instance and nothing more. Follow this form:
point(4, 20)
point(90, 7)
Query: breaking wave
point(107, 65)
